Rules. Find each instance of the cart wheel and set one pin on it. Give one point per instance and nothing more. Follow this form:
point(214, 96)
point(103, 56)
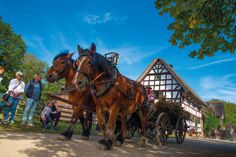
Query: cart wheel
point(130, 132)
point(180, 130)
point(162, 127)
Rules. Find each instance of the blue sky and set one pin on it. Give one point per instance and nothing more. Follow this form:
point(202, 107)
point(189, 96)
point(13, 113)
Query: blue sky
point(132, 28)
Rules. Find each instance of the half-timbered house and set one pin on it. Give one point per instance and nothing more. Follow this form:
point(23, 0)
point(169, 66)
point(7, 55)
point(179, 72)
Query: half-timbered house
point(163, 80)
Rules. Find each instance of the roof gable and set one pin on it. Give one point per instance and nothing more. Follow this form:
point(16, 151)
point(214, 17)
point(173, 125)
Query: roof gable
point(182, 83)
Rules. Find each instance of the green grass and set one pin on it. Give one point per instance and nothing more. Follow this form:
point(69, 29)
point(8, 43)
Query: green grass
point(37, 128)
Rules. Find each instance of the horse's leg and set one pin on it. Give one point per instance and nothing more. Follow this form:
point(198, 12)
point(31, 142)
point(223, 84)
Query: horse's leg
point(143, 120)
point(122, 128)
point(87, 124)
point(70, 129)
point(101, 119)
point(110, 128)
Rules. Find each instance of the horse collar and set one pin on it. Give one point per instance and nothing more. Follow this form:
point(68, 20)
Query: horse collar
point(107, 86)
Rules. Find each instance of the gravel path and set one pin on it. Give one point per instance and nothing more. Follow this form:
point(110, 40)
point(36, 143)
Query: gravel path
point(46, 145)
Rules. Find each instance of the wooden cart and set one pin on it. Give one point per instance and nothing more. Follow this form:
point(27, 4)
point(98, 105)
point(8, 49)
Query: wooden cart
point(164, 118)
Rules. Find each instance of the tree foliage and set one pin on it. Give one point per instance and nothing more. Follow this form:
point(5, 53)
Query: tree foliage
point(51, 88)
point(230, 113)
point(209, 23)
point(12, 54)
point(32, 66)
point(12, 49)
point(211, 122)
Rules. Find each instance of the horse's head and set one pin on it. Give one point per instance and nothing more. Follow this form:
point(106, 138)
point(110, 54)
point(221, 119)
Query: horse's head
point(86, 66)
point(60, 67)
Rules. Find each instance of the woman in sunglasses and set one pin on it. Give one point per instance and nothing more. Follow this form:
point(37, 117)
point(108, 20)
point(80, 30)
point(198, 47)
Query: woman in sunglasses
point(16, 89)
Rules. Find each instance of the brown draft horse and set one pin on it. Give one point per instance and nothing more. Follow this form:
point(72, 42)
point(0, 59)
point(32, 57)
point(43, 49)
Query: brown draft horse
point(112, 93)
point(63, 67)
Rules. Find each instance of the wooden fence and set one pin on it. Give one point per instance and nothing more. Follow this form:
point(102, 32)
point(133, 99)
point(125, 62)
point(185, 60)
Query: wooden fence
point(66, 110)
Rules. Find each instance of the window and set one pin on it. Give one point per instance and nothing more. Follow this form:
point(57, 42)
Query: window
point(157, 77)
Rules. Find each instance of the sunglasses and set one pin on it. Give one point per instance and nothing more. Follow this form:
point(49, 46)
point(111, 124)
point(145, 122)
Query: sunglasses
point(20, 75)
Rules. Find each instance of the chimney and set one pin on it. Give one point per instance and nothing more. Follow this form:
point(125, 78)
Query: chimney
point(171, 66)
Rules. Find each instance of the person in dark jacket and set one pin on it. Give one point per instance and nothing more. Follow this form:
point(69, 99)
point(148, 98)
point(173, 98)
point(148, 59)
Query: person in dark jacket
point(33, 92)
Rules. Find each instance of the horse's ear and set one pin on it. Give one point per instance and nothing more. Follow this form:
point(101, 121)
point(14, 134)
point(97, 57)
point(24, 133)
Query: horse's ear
point(93, 48)
point(80, 50)
point(70, 55)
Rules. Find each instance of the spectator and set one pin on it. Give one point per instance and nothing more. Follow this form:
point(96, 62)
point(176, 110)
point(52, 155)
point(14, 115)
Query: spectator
point(16, 88)
point(55, 115)
point(2, 70)
point(33, 92)
point(45, 117)
point(2, 104)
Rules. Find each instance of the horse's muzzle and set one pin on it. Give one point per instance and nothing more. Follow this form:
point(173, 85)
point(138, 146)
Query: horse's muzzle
point(51, 78)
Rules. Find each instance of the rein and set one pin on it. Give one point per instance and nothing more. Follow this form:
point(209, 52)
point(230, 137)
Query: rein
point(97, 77)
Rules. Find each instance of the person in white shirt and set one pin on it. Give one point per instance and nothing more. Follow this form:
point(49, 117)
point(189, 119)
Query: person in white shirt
point(16, 88)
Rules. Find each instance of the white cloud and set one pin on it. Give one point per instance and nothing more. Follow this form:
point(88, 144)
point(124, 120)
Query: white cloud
point(223, 88)
point(213, 63)
point(99, 19)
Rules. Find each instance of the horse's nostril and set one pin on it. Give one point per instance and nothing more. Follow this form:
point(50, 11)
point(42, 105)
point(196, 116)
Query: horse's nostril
point(79, 82)
point(50, 77)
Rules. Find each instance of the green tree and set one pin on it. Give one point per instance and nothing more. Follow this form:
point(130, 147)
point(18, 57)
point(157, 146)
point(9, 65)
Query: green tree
point(12, 49)
point(32, 66)
point(209, 23)
point(51, 88)
point(211, 122)
point(230, 113)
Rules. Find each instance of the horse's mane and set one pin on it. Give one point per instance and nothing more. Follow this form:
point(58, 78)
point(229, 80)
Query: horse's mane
point(105, 64)
point(63, 53)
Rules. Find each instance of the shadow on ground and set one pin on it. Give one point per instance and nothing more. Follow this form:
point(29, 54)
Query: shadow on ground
point(37, 145)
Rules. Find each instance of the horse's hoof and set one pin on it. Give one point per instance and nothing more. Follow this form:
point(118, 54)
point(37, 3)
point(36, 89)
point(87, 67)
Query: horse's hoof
point(120, 140)
point(105, 144)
